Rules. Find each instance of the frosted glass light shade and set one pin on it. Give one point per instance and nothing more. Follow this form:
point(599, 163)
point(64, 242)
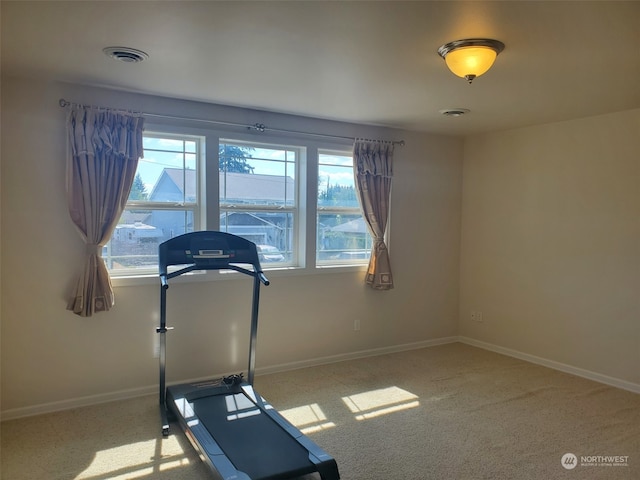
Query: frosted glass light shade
point(471, 57)
point(470, 61)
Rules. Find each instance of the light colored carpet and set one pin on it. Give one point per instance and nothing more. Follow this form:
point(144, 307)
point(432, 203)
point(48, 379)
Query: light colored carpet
point(452, 412)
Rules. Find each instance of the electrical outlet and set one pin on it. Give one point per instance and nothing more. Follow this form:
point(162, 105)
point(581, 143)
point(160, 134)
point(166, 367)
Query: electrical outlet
point(478, 316)
point(356, 325)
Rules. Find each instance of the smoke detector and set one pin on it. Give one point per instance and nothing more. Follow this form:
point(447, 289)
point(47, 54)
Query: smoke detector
point(125, 54)
point(454, 112)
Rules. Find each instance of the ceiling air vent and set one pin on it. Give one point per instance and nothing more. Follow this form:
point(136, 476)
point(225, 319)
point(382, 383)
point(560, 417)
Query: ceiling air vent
point(125, 54)
point(454, 112)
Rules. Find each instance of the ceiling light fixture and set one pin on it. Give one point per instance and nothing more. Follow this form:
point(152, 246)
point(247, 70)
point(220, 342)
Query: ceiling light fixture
point(125, 54)
point(471, 57)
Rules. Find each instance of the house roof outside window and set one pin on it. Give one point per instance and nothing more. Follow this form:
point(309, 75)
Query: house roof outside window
point(176, 184)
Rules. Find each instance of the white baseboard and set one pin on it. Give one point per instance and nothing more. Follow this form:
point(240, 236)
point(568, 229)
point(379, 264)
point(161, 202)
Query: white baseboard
point(580, 372)
point(284, 367)
point(16, 413)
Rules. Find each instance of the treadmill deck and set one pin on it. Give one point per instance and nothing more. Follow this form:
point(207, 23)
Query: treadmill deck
point(237, 430)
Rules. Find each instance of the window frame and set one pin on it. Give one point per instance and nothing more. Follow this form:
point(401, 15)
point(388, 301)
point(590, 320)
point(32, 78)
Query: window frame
point(195, 207)
point(207, 215)
point(294, 209)
point(357, 210)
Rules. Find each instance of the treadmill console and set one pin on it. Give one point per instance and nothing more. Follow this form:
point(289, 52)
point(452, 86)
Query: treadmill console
point(207, 250)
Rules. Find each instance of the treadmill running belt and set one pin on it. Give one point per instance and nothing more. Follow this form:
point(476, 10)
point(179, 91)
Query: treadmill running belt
point(252, 441)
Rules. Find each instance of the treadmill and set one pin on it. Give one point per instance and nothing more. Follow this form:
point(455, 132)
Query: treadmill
point(234, 430)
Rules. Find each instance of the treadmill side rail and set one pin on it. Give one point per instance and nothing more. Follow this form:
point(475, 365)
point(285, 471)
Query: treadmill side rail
point(325, 463)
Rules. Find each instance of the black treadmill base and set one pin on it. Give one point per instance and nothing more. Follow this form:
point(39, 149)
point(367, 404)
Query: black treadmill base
point(241, 437)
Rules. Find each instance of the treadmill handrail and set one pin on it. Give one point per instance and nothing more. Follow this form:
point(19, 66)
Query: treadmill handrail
point(208, 250)
point(164, 277)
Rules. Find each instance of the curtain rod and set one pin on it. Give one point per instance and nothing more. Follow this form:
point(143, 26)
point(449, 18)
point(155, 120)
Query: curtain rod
point(258, 127)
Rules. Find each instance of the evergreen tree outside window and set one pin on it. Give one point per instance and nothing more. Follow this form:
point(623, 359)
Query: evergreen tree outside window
point(234, 158)
point(138, 189)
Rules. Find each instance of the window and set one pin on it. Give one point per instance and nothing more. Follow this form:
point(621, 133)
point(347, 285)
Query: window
point(342, 235)
point(163, 203)
point(262, 190)
point(258, 197)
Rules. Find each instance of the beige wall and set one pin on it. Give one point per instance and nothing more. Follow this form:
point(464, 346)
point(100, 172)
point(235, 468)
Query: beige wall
point(551, 242)
point(50, 356)
point(550, 253)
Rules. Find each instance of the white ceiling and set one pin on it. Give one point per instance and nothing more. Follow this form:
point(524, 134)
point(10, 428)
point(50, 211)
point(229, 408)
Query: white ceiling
point(364, 62)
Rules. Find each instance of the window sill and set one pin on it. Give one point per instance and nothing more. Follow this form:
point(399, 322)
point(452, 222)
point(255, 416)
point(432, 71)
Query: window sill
point(202, 276)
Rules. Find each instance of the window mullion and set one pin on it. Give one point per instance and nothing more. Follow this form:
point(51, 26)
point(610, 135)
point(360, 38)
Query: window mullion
point(211, 183)
point(310, 196)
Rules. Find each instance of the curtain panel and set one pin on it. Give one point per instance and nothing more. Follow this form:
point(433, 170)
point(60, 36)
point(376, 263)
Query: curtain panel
point(104, 148)
point(373, 170)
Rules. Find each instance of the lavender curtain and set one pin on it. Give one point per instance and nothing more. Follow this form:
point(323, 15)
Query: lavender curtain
point(104, 148)
point(373, 169)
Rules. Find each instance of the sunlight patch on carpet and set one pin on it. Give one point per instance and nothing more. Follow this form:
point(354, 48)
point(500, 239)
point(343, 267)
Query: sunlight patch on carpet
point(308, 418)
point(123, 462)
point(380, 402)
